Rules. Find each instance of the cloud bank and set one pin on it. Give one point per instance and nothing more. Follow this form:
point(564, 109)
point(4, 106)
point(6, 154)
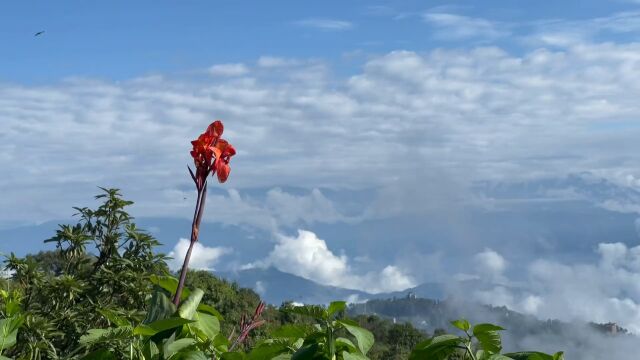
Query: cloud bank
point(308, 256)
point(557, 111)
point(202, 257)
point(606, 291)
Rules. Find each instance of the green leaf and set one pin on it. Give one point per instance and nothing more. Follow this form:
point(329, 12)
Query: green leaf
point(170, 284)
point(207, 326)
point(105, 335)
point(92, 336)
point(346, 343)
point(534, 355)
point(314, 311)
point(150, 350)
point(232, 356)
point(482, 355)
point(353, 356)
point(282, 357)
point(221, 343)
point(188, 308)
point(336, 306)
point(498, 357)
point(461, 324)
point(486, 327)
point(364, 337)
point(210, 310)
point(289, 331)
point(160, 325)
point(10, 327)
point(113, 317)
point(309, 352)
point(437, 348)
point(178, 345)
point(267, 351)
point(488, 337)
point(102, 354)
point(190, 355)
point(160, 307)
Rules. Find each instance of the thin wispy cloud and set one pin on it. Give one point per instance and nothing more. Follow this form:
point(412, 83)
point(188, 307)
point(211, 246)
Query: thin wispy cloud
point(564, 32)
point(228, 70)
point(276, 62)
point(556, 32)
point(459, 27)
point(385, 11)
point(325, 24)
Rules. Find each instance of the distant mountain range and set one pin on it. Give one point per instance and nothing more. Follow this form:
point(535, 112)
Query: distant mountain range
point(276, 287)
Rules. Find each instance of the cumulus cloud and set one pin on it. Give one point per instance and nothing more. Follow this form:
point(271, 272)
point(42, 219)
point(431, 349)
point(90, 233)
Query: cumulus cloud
point(490, 262)
point(202, 257)
point(308, 256)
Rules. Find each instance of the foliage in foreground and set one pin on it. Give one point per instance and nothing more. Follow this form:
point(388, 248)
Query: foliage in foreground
point(105, 294)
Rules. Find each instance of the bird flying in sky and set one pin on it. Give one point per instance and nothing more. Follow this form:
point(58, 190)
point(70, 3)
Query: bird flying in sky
point(39, 33)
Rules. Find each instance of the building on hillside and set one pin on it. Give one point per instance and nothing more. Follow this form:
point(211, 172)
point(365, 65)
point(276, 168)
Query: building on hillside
point(613, 328)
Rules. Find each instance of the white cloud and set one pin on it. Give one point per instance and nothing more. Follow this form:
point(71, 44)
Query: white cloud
point(452, 112)
point(267, 211)
point(260, 287)
point(608, 291)
point(563, 32)
point(458, 27)
point(490, 262)
point(228, 70)
point(274, 62)
point(309, 257)
point(202, 257)
point(291, 209)
point(326, 24)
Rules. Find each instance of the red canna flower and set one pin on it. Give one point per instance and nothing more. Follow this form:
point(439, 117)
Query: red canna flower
point(223, 152)
point(211, 154)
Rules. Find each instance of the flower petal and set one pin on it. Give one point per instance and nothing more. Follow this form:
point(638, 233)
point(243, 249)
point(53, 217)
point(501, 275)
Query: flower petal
point(215, 129)
point(223, 171)
point(230, 150)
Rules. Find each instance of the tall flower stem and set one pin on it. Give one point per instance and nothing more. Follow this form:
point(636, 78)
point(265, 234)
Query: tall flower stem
point(195, 228)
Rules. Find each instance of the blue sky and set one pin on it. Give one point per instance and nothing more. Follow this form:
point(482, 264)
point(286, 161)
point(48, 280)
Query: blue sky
point(123, 39)
point(392, 142)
